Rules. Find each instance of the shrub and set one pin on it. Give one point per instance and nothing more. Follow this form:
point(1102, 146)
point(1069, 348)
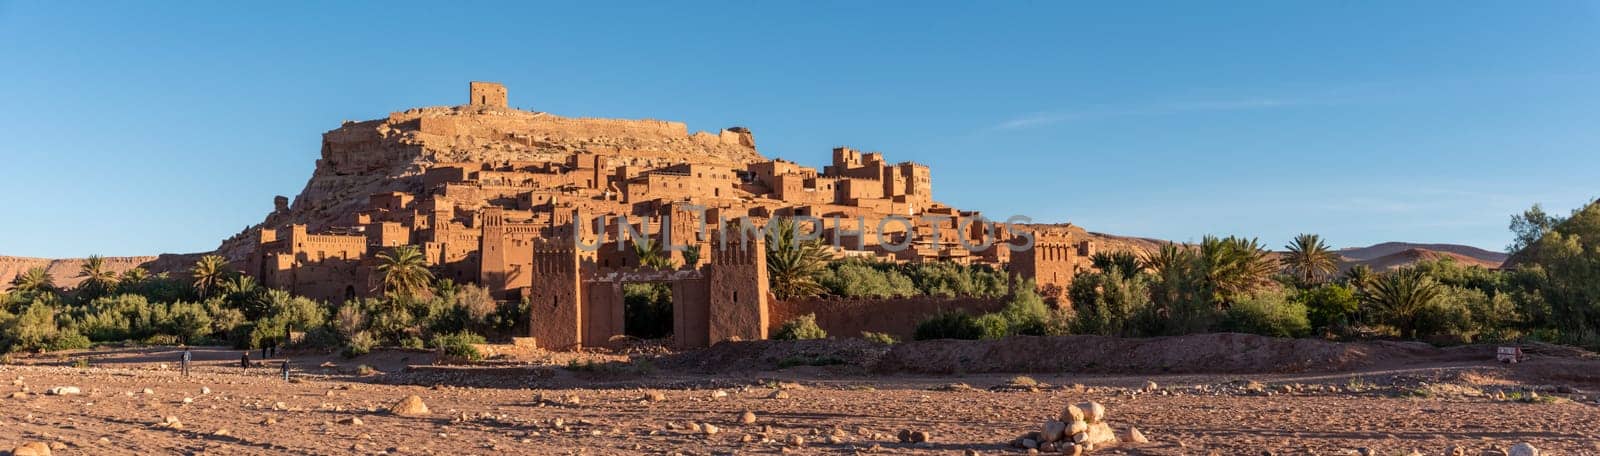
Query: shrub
point(70, 340)
point(321, 337)
point(161, 339)
point(948, 325)
point(412, 342)
point(1107, 302)
point(1267, 313)
point(359, 344)
point(33, 329)
point(878, 337)
point(862, 279)
point(459, 345)
point(1026, 312)
point(1330, 305)
point(478, 305)
point(351, 319)
point(801, 328)
point(188, 321)
point(992, 326)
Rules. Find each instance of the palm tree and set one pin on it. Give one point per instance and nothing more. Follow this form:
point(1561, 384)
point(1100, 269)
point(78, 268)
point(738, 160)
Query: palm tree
point(209, 273)
point(1125, 262)
point(133, 277)
point(1359, 276)
point(1401, 297)
point(691, 256)
point(793, 265)
point(651, 255)
point(34, 281)
point(1309, 259)
point(244, 293)
point(404, 270)
point(1167, 258)
point(1234, 266)
point(96, 278)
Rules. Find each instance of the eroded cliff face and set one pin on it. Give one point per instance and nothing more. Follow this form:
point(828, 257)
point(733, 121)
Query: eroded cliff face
point(360, 159)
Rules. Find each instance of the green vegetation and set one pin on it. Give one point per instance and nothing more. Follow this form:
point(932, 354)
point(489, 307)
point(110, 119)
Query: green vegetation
point(459, 345)
point(404, 270)
point(647, 310)
point(220, 306)
point(801, 328)
point(878, 337)
point(793, 264)
point(1309, 259)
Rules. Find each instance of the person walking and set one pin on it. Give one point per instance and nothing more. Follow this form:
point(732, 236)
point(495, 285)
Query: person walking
point(285, 370)
point(244, 360)
point(187, 356)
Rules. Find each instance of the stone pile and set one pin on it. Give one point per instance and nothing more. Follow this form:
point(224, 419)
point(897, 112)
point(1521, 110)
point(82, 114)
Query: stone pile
point(1078, 429)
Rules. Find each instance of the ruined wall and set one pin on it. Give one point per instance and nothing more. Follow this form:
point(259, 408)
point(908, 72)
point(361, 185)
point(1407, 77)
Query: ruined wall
point(848, 317)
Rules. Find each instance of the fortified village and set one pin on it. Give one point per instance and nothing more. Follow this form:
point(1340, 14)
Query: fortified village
point(491, 195)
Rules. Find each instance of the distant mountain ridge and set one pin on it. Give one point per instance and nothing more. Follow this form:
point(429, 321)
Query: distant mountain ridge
point(1391, 255)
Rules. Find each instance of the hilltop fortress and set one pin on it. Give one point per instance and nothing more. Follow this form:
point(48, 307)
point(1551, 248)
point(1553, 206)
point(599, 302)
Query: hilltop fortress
point(507, 199)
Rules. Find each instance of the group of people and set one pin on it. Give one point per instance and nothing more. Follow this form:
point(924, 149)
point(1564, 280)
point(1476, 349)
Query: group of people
point(244, 360)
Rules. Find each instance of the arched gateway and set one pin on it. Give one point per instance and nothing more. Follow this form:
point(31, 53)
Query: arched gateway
point(576, 302)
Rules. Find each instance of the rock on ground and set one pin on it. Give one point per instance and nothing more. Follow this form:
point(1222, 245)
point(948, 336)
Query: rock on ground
point(32, 449)
point(410, 406)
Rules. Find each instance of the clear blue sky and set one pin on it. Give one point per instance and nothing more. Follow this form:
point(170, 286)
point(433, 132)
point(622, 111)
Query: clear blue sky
point(133, 128)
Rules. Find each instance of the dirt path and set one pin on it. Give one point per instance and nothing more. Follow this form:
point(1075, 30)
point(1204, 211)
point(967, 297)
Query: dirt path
point(1190, 414)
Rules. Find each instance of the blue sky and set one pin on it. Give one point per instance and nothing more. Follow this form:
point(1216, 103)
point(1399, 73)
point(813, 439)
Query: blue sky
point(141, 128)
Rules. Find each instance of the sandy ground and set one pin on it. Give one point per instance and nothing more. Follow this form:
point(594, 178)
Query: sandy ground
point(832, 409)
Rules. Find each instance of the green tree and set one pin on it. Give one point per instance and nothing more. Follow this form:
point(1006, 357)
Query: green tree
point(1234, 267)
point(35, 281)
point(404, 270)
point(1359, 276)
point(1529, 226)
point(794, 265)
point(1401, 299)
point(1268, 313)
point(1310, 259)
point(1181, 297)
point(208, 274)
point(1107, 301)
point(1124, 261)
point(97, 278)
point(1331, 305)
point(691, 256)
point(650, 254)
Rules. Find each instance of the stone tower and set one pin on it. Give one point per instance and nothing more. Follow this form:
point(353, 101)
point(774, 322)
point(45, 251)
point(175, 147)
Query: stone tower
point(738, 291)
point(487, 94)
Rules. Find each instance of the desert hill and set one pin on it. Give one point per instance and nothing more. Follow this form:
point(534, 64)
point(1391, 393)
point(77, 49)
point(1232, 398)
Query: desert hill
point(65, 270)
point(1414, 255)
point(1380, 250)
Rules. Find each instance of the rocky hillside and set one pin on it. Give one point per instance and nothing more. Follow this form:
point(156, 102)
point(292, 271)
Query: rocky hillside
point(65, 270)
point(391, 154)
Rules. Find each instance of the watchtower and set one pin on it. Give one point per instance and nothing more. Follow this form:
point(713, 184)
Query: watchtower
point(487, 94)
